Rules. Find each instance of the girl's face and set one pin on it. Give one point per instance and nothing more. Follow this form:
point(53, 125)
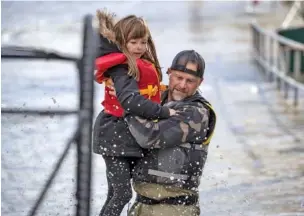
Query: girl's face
point(137, 47)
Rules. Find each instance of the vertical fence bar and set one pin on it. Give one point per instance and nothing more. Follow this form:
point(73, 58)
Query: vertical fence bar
point(270, 48)
point(260, 49)
point(275, 57)
point(297, 72)
point(297, 64)
point(84, 149)
point(296, 97)
point(281, 64)
point(268, 57)
point(287, 59)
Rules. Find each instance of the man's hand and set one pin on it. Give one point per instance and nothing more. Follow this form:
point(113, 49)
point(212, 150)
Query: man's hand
point(173, 112)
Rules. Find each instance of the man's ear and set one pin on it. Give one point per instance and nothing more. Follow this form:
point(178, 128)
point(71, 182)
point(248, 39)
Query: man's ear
point(169, 71)
point(201, 81)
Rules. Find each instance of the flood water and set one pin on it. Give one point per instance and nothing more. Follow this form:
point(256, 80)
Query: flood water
point(255, 164)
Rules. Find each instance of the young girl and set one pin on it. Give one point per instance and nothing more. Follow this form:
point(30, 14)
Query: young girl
point(128, 59)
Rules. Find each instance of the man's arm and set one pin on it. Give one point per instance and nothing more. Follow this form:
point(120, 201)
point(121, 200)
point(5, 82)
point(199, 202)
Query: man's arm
point(190, 125)
point(131, 100)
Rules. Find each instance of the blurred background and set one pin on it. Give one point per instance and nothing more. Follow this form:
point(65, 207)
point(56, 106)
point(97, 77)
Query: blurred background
point(255, 164)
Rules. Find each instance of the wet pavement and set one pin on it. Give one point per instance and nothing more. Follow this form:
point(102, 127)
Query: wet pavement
point(255, 164)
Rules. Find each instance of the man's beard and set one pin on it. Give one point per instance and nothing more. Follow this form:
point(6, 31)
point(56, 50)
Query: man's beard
point(177, 95)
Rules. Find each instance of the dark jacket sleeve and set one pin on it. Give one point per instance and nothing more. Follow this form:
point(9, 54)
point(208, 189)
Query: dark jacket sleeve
point(189, 126)
point(106, 47)
point(129, 97)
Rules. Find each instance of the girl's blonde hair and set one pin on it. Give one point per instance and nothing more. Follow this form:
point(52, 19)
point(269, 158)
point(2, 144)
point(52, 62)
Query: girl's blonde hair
point(129, 27)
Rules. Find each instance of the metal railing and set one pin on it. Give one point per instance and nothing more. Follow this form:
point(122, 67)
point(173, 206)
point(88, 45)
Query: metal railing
point(273, 53)
point(296, 10)
point(83, 134)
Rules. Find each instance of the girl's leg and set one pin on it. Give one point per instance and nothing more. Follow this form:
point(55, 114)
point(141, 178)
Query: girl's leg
point(108, 162)
point(120, 190)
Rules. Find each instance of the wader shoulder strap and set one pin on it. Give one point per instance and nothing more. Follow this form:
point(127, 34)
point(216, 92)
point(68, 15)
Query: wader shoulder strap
point(212, 122)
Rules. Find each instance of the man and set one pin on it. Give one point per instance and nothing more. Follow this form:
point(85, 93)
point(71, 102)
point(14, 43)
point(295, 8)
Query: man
point(166, 179)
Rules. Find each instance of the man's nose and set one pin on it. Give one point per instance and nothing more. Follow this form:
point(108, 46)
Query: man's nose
point(183, 84)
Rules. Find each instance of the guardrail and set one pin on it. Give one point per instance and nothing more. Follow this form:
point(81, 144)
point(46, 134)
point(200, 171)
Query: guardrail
point(82, 137)
point(274, 53)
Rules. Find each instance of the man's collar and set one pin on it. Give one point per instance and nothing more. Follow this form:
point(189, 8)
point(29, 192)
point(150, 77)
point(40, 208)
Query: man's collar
point(164, 97)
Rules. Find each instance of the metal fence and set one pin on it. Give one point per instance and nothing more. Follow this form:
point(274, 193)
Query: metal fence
point(276, 55)
point(83, 134)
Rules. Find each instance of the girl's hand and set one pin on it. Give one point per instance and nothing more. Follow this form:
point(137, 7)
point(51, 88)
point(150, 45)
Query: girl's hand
point(112, 91)
point(109, 83)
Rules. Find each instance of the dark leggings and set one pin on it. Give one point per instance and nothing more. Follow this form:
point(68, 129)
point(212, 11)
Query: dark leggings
point(119, 185)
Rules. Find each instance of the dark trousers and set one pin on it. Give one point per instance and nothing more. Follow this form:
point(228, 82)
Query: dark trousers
point(119, 184)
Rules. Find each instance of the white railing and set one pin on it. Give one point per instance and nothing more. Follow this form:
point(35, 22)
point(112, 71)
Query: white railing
point(273, 52)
